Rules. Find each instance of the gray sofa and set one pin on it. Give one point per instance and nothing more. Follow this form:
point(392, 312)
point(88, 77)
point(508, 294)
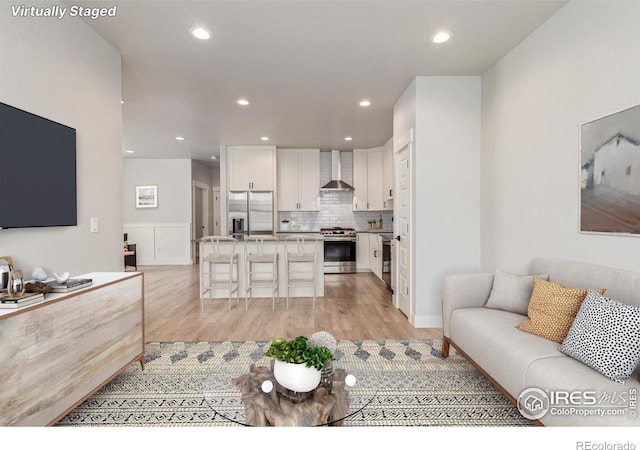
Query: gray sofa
point(515, 361)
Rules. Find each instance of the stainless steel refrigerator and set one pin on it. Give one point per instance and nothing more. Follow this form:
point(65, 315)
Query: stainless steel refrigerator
point(250, 212)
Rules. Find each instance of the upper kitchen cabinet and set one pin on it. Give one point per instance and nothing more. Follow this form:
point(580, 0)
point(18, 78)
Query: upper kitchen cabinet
point(299, 179)
point(251, 168)
point(387, 175)
point(368, 179)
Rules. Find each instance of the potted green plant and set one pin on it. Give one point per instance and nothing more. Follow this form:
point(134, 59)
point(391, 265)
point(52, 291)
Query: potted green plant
point(297, 365)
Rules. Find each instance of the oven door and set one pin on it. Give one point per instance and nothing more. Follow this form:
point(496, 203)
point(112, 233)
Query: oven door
point(339, 255)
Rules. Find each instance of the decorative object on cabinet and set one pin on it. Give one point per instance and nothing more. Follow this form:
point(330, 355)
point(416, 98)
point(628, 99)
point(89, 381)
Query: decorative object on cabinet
point(39, 274)
point(609, 167)
point(6, 266)
point(147, 196)
point(61, 278)
point(37, 287)
point(15, 286)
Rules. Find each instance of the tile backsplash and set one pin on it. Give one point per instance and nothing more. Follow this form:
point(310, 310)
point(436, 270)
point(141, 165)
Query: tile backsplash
point(336, 207)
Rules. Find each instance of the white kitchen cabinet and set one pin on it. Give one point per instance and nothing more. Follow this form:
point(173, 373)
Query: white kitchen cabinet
point(387, 176)
point(362, 252)
point(359, 180)
point(299, 179)
point(374, 180)
point(367, 179)
point(251, 168)
point(375, 254)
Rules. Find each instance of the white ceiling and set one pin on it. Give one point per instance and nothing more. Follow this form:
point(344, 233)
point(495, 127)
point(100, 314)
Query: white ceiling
point(304, 66)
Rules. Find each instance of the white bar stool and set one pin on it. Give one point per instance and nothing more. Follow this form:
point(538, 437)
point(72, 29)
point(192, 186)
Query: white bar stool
point(297, 262)
point(261, 251)
point(217, 252)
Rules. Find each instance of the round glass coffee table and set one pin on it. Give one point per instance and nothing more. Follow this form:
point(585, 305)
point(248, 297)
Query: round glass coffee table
point(251, 396)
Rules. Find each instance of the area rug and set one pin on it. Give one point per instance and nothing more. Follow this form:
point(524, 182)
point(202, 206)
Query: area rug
point(417, 386)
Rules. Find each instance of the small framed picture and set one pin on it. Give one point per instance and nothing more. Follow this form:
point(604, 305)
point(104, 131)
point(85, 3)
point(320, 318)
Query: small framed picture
point(146, 196)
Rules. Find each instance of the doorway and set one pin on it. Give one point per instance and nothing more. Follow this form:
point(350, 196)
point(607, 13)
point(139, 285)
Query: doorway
point(201, 222)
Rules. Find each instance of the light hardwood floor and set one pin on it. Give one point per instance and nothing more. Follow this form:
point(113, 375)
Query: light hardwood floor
point(355, 306)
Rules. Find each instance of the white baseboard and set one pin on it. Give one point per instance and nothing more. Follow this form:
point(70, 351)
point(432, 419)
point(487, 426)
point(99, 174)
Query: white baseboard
point(427, 321)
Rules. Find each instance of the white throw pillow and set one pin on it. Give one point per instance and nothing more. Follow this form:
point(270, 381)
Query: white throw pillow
point(605, 335)
point(511, 292)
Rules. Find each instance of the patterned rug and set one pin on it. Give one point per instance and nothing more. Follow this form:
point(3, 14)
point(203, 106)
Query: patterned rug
point(417, 388)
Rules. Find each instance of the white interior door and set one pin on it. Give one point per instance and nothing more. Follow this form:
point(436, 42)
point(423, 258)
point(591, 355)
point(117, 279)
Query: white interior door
point(402, 231)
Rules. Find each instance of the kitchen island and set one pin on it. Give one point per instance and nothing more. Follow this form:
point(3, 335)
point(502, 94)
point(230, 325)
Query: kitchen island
point(284, 242)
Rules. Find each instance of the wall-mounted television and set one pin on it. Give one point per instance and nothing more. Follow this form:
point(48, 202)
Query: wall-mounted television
point(37, 171)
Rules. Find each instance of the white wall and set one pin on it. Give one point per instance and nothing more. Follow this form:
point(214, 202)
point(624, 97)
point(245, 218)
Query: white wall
point(62, 70)
point(173, 178)
point(446, 114)
point(162, 234)
point(447, 186)
point(580, 65)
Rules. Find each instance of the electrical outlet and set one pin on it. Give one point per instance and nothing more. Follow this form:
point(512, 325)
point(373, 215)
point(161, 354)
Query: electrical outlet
point(94, 224)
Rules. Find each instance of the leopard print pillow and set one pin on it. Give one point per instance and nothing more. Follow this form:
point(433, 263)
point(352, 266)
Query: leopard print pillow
point(605, 335)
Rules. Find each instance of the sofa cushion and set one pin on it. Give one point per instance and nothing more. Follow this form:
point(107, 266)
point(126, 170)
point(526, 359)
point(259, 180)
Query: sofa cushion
point(511, 292)
point(605, 335)
point(552, 309)
point(566, 374)
point(489, 337)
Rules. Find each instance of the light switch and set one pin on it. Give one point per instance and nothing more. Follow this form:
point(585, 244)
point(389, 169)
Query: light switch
point(94, 224)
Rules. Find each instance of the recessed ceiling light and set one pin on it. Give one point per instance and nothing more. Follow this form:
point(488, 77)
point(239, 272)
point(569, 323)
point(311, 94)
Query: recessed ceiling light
point(122, 102)
point(348, 138)
point(179, 138)
point(365, 103)
point(441, 37)
point(214, 157)
point(265, 138)
point(130, 151)
point(200, 33)
point(243, 102)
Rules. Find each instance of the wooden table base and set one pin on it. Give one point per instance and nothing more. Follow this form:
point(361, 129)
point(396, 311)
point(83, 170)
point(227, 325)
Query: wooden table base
point(323, 406)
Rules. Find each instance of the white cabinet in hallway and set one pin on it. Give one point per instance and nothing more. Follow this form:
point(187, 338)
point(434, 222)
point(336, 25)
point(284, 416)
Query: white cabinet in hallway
point(299, 179)
point(251, 168)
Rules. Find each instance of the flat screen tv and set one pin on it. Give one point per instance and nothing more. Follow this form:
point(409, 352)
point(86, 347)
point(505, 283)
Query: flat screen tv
point(37, 171)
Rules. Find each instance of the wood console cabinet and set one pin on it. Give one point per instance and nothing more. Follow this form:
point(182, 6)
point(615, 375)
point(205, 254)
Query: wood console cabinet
point(57, 353)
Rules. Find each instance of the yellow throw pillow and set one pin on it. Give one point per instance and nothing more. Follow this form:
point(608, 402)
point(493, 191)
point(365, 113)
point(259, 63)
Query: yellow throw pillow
point(552, 309)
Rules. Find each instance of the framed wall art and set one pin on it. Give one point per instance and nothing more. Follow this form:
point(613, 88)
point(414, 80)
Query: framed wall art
point(147, 196)
point(610, 174)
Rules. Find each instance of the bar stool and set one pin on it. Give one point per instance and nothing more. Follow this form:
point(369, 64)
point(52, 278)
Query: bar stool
point(297, 262)
point(261, 251)
point(218, 252)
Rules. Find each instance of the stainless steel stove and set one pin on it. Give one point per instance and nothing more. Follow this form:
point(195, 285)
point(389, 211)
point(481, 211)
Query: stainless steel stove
point(339, 250)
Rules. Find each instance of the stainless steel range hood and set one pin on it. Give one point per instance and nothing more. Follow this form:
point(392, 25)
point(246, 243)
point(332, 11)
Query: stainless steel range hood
point(336, 183)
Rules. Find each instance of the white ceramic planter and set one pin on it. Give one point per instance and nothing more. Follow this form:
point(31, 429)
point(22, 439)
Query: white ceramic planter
point(296, 377)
